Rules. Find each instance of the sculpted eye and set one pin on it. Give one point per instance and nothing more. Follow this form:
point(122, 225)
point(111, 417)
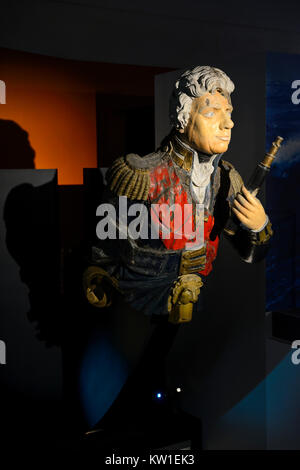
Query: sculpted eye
point(209, 114)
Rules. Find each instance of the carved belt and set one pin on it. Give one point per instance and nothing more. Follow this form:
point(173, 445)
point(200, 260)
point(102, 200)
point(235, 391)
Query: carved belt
point(193, 261)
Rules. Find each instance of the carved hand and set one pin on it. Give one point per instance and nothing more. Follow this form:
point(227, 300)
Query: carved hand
point(92, 285)
point(249, 210)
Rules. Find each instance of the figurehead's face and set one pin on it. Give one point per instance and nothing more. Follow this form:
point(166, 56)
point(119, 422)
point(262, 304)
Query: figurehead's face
point(209, 126)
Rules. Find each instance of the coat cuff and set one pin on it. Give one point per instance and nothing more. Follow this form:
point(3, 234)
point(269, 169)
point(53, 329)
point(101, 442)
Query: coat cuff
point(263, 236)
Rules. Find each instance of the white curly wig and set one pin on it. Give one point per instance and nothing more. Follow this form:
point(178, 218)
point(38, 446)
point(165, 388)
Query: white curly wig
point(193, 84)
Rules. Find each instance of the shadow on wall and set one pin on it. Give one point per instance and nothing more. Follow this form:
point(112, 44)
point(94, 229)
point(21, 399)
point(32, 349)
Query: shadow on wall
point(31, 230)
point(16, 151)
point(32, 241)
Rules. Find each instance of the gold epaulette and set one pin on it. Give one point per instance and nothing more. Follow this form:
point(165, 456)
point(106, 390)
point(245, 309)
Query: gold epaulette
point(125, 180)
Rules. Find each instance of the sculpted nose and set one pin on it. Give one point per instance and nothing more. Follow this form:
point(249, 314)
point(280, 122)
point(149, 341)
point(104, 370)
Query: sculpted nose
point(226, 122)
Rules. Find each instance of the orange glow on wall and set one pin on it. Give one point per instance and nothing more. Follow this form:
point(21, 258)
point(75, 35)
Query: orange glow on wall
point(61, 124)
point(61, 128)
point(54, 101)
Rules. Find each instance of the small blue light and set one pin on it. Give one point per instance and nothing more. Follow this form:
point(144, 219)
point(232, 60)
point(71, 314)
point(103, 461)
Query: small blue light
point(158, 395)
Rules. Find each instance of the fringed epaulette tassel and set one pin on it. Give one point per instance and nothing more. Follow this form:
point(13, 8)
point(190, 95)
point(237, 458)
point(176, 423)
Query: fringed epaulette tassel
point(125, 180)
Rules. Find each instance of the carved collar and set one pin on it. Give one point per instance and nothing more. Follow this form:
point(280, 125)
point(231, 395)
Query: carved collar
point(183, 155)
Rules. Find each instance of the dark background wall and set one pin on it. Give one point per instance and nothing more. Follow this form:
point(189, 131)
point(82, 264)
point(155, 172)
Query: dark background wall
point(167, 34)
